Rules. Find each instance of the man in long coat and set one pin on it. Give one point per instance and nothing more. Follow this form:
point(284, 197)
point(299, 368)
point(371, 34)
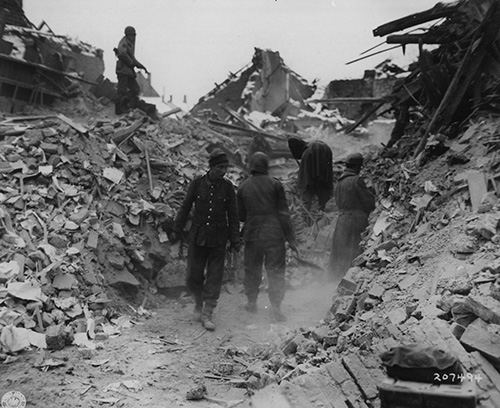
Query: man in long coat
point(214, 223)
point(355, 202)
point(315, 177)
point(263, 208)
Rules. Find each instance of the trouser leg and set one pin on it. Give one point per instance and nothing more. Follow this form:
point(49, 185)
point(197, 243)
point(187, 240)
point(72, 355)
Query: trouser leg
point(133, 92)
point(275, 257)
point(121, 94)
point(253, 259)
point(197, 259)
point(215, 272)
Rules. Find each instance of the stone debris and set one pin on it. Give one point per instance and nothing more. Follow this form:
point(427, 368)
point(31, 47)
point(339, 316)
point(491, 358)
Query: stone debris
point(77, 218)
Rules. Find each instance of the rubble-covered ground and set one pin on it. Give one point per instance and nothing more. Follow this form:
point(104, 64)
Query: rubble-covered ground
point(92, 297)
point(92, 305)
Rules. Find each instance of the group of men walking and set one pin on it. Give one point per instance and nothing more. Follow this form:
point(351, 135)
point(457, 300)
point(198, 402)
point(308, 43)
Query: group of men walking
point(260, 204)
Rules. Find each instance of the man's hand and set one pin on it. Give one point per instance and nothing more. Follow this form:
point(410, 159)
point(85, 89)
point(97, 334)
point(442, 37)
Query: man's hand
point(143, 68)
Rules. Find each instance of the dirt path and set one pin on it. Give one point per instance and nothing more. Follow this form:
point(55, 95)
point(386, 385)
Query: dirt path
point(164, 367)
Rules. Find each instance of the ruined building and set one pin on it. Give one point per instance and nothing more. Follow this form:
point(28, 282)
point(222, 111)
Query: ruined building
point(267, 84)
point(38, 65)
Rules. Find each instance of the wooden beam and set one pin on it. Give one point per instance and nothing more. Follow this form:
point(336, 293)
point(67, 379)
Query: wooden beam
point(355, 99)
point(251, 131)
point(45, 68)
point(372, 54)
point(438, 11)
point(367, 114)
point(414, 39)
point(466, 72)
point(240, 118)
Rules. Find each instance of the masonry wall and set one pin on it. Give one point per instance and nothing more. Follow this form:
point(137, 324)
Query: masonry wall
point(363, 87)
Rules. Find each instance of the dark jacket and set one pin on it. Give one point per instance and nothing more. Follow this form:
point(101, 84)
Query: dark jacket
point(215, 217)
point(125, 53)
point(351, 194)
point(263, 208)
point(316, 171)
point(355, 202)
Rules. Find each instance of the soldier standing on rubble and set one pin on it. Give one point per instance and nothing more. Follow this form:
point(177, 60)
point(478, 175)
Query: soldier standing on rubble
point(263, 208)
point(128, 89)
point(355, 203)
point(214, 222)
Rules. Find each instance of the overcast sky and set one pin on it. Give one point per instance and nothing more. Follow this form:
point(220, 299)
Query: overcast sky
point(190, 44)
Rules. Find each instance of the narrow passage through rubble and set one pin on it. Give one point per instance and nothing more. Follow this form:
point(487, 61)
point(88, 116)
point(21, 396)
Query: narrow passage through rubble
point(156, 360)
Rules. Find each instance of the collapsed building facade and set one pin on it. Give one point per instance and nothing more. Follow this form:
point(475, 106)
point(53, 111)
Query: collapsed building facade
point(354, 97)
point(38, 65)
point(266, 85)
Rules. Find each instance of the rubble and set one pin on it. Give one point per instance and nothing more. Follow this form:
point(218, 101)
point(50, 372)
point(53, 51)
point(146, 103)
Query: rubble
point(77, 217)
point(429, 270)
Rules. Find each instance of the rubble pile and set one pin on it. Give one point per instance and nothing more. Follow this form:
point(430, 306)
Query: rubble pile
point(450, 84)
point(83, 209)
point(429, 274)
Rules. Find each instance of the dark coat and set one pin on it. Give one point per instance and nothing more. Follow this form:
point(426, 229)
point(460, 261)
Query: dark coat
point(355, 202)
point(215, 217)
point(316, 171)
point(126, 62)
point(263, 208)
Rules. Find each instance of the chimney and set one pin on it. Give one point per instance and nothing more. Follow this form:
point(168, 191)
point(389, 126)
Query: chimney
point(185, 100)
point(149, 78)
point(171, 99)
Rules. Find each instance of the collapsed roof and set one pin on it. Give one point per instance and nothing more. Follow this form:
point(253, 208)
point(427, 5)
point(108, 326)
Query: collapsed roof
point(36, 65)
point(457, 79)
point(267, 84)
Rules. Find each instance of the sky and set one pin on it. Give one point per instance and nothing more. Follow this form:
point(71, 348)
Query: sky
point(188, 45)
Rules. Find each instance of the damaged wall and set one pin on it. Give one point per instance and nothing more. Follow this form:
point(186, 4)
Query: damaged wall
point(264, 86)
point(11, 12)
point(368, 86)
point(55, 51)
point(273, 84)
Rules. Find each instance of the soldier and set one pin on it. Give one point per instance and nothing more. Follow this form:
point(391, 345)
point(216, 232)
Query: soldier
point(355, 202)
point(263, 208)
point(128, 89)
point(214, 223)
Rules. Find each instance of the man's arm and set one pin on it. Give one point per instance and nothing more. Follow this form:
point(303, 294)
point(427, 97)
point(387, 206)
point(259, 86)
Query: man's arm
point(242, 211)
point(366, 197)
point(232, 216)
point(284, 214)
point(182, 215)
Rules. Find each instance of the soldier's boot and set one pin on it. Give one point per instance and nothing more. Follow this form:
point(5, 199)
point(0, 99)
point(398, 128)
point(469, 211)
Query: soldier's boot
point(251, 306)
point(197, 309)
point(276, 314)
point(207, 318)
